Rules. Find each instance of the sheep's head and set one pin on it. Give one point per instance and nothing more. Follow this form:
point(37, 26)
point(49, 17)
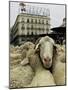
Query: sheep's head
point(45, 46)
point(60, 53)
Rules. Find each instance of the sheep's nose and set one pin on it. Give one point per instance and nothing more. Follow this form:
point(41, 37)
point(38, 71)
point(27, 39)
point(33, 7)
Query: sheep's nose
point(47, 59)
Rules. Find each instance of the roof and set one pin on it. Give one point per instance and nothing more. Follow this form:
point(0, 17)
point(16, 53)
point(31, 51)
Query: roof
point(59, 29)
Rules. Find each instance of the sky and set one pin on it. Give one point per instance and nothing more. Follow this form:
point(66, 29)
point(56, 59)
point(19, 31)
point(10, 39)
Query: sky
point(57, 12)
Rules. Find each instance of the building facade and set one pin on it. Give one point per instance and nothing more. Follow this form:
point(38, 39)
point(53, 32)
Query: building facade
point(29, 25)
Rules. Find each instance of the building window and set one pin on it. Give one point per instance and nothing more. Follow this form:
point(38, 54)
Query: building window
point(46, 22)
point(39, 22)
point(47, 30)
point(22, 19)
point(22, 27)
point(35, 33)
point(32, 27)
point(43, 28)
point(28, 28)
point(28, 32)
point(39, 28)
point(35, 20)
point(27, 20)
point(43, 31)
point(31, 20)
point(42, 21)
point(31, 33)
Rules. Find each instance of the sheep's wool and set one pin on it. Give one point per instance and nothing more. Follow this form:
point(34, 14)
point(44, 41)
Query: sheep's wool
point(21, 76)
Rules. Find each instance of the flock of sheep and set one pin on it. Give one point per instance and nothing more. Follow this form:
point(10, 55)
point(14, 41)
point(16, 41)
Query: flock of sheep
point(39, 64)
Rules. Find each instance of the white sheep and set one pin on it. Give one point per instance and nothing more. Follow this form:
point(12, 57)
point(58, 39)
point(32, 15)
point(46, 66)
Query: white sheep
point(63, 52)
point(58, 69)
point(60, 50)
point(15, 57)
point(15, 60)
point(39, 64)
point(25, 48)
point(42, 76)
point(15, 49)
point(45, 47)
point(27, 45)
point(21, 76)
point(18, 53)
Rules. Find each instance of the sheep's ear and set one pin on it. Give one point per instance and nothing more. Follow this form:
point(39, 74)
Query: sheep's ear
point(25, 62)
point(55, 49)
point(37, 44)
point(56, 46)
point(37, 47)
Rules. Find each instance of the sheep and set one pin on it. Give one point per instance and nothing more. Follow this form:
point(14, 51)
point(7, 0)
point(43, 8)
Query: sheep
point(15, 49)
point(15, 60)
point(48, 50)
point(27, 45)
point(60, 49)
point(42, 76)
point(58, 67)
point(46, 47)
point(34, 61)
point(38, 65)
point(15, 56)
point(25, 48)
point(63, 53)
point(18, 53)
point(21, 76)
